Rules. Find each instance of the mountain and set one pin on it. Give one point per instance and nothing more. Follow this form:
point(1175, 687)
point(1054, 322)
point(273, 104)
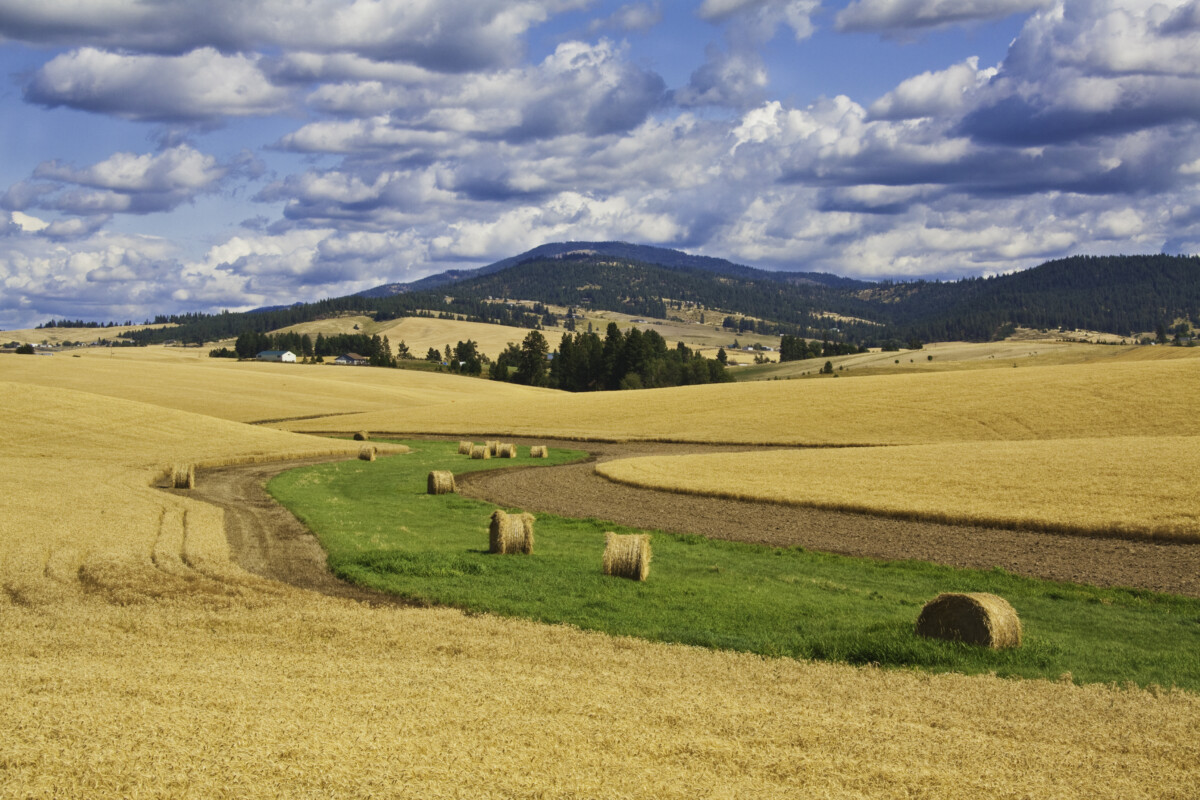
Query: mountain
point(1116, 294)
point(646, 254)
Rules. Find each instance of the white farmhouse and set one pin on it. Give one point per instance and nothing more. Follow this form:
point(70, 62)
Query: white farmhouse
point(277, 355)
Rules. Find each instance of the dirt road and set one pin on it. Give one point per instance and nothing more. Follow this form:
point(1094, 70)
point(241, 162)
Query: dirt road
point(265, 538)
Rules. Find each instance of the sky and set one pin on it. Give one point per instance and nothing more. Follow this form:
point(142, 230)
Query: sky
point(166, 156)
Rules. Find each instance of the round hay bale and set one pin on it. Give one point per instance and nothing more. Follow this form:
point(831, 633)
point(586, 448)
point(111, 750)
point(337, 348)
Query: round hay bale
point(527, 533)
point(441, 481)
point(627, 556)
point(362, 436)
point(493, 447)
point(183, 476)
point(507, 451)
point(367, 453)
point(510, 533)
point(539, 451)
point(480, 451)
point(464, 448)
point(976, 618)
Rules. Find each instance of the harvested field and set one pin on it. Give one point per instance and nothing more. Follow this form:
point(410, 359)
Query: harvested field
point(1111, 487)
point(188, 380)
point(137, 659)
point(1034, 403)
point(575, 490)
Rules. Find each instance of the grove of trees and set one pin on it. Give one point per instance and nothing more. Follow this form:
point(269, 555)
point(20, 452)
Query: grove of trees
point(586, 363)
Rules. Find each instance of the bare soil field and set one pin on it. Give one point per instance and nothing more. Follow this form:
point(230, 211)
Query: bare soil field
point(575, 490)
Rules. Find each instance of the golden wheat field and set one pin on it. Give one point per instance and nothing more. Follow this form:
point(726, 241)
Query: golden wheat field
point(60, 335)
point(1119, 486)
point(139, 661)
point(1144, 398)
point(188, 380)
point(957, 356)
point(422, 333)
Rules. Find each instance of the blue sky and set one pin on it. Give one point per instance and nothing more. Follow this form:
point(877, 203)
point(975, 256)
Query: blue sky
point(164, 155)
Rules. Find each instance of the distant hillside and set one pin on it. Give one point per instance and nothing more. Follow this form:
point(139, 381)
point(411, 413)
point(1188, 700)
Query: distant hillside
point(645, 254)
point(1117, 294)
point(613, 283)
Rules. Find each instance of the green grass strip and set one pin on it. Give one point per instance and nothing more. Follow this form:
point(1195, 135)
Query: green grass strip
point(381, 530)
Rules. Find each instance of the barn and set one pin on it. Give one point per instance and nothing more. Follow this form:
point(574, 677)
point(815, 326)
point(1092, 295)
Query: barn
point(277, 355)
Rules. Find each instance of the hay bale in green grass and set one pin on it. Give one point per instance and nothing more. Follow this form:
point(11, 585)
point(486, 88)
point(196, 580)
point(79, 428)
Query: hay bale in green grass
point(464, 448)
point(480, 451)
point(362, 436)
point(367, 453)
point(493, 447)
point(507, 451)
point(183, 476)
point(627, 556)
point(441, 481)
point(539, 451)
point(510, 533)
point(977, 618)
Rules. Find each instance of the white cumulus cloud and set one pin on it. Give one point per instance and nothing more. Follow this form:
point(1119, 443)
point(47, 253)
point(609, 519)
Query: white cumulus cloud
point(201, 84)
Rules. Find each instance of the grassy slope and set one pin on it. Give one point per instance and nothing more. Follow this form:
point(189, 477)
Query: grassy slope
point(383, 531)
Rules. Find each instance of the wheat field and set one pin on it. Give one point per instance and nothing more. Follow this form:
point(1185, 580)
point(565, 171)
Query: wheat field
point(1136, 487)
point(188, 380)
point(422, 333)
point(136, 660)
point(60, 335)
point(958, 356)
point(1138, 398)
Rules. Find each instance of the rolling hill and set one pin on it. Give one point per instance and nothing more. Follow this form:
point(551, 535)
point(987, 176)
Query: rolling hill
point(1122, 295)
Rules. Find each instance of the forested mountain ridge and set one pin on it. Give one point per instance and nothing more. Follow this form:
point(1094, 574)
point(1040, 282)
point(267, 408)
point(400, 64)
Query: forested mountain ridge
point(1123, 295)
point(646, 254)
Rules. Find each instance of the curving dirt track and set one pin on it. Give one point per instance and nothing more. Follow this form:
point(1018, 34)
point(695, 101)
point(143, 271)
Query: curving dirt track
point(575, 490)
point(267, 540)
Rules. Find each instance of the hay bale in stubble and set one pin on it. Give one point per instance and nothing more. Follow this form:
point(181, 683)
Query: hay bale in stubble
point(507, 451)
point(480, 451)
point(367, 453)
point(510, 533)
point(362, 436)
point(441, 481)
point(183, 476)
point(627, 556)
point(464, 448)
point(975, 618)
point(539, 451)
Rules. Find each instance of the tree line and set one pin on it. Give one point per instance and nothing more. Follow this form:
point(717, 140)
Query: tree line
point(794, 348)
point(584, 362)
point(376, 349)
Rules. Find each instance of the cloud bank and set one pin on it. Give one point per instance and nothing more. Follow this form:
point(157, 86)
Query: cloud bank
point(396, 152)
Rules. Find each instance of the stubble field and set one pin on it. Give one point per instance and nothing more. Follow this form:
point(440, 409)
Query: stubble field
point(138, 660)
point(1122, 487)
